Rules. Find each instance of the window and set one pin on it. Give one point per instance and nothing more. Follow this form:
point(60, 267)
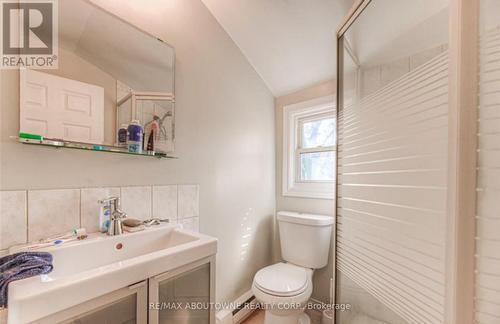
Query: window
point(309, 149)
point(315, 152)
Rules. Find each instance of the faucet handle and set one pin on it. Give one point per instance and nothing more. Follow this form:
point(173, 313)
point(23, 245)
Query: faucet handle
point(119, 214)
point(115, 201)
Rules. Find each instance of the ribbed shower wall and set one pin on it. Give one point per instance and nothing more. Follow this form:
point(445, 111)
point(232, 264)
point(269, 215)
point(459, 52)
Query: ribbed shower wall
point(392, 168)
point(487, 303)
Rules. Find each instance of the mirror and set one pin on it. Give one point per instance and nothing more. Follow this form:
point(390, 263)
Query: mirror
point(109, 74)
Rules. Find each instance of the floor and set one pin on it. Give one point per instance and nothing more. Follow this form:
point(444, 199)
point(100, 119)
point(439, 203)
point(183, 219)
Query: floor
point(257, 317)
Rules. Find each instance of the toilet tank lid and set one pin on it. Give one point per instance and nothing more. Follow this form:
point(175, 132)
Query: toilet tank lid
point(305, 219)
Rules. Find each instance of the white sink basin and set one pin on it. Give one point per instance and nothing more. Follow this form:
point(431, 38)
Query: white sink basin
point(99, 265)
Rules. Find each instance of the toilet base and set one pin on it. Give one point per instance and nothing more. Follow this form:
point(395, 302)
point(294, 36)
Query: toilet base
point(296, 318)
point(304, 319)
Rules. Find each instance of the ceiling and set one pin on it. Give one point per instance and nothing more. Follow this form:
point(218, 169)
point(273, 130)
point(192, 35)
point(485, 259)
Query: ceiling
point(290, 43)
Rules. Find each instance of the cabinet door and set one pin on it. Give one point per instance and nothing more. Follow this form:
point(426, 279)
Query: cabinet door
point(183, 295)
point(124, 306)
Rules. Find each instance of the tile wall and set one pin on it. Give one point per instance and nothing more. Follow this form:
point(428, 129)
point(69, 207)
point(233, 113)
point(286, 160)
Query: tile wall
point(30, 215)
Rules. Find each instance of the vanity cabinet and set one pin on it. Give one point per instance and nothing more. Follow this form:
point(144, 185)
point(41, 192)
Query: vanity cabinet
point(182, 295)
point(124, 306)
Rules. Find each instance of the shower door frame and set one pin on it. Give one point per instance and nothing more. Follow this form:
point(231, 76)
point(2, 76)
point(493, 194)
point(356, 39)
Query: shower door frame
point(462, 154)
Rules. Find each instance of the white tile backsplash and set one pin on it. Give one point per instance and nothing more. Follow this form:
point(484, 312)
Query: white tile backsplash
point(188, 201)
point(90, 206)
point(27, 216)
point(165, 202)
point(191, 224)
point(13, 218)
point(136, 202)
point(52, 212)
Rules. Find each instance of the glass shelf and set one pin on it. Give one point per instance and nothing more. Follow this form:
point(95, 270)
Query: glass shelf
point(90, 147)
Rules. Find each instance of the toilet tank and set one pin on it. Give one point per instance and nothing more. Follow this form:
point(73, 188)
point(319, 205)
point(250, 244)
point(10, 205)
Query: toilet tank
point(305, 238)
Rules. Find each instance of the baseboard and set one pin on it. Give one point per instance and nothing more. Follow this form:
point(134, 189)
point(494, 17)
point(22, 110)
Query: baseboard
point(241, 308)
point(246, 304)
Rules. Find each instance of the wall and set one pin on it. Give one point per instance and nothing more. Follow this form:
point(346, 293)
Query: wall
point(224, 130)
point(316, 206)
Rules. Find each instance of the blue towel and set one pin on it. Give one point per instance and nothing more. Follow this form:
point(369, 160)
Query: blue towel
point(20, 266)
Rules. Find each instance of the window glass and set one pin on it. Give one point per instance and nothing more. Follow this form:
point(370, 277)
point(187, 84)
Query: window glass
point(319, 132)
point(310, 151)
point(317, 166)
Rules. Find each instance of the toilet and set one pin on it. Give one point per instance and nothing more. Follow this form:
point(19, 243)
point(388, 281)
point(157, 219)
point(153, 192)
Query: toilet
point(285, 287)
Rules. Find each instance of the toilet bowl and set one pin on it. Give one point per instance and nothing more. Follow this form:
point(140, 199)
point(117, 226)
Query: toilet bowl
point(284, 288)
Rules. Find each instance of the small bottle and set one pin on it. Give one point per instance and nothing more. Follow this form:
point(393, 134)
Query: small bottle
point(151, 143)
point(135, 137)
point(122, 135)
point(104, 216)
point(152, 129)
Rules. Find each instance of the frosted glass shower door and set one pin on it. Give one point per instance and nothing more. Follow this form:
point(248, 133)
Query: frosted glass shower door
point(392, 164)
point(487, 281)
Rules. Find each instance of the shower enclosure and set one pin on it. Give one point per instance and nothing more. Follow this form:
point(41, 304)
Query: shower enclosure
point(417, 235)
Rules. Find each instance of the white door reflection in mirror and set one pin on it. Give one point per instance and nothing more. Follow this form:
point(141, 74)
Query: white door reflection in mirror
point(61, 108)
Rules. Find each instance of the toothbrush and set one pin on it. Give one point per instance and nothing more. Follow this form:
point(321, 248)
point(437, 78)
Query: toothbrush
point(75, 232)
point(56, 242)
point(76, 238)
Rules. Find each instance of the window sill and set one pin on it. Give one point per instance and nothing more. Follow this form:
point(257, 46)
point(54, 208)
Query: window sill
point(311, 190)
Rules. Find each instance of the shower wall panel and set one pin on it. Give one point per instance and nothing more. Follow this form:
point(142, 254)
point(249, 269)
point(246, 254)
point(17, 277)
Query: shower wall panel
point(392, 180)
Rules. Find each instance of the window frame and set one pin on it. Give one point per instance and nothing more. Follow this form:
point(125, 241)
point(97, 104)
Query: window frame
point(299, 149)
point(294, 116)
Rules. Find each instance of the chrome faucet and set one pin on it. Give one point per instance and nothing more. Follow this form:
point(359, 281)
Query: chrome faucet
point(117, 215)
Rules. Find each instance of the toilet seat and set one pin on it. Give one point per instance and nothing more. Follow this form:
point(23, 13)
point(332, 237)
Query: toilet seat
point(284, 290)
point(282, 280)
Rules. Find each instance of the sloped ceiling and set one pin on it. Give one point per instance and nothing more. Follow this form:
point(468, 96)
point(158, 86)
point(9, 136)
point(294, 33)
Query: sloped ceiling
point(290, 43)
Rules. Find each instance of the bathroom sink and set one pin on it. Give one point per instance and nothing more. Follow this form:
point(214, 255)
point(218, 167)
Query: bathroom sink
point(105, 251)
point(87, 269)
